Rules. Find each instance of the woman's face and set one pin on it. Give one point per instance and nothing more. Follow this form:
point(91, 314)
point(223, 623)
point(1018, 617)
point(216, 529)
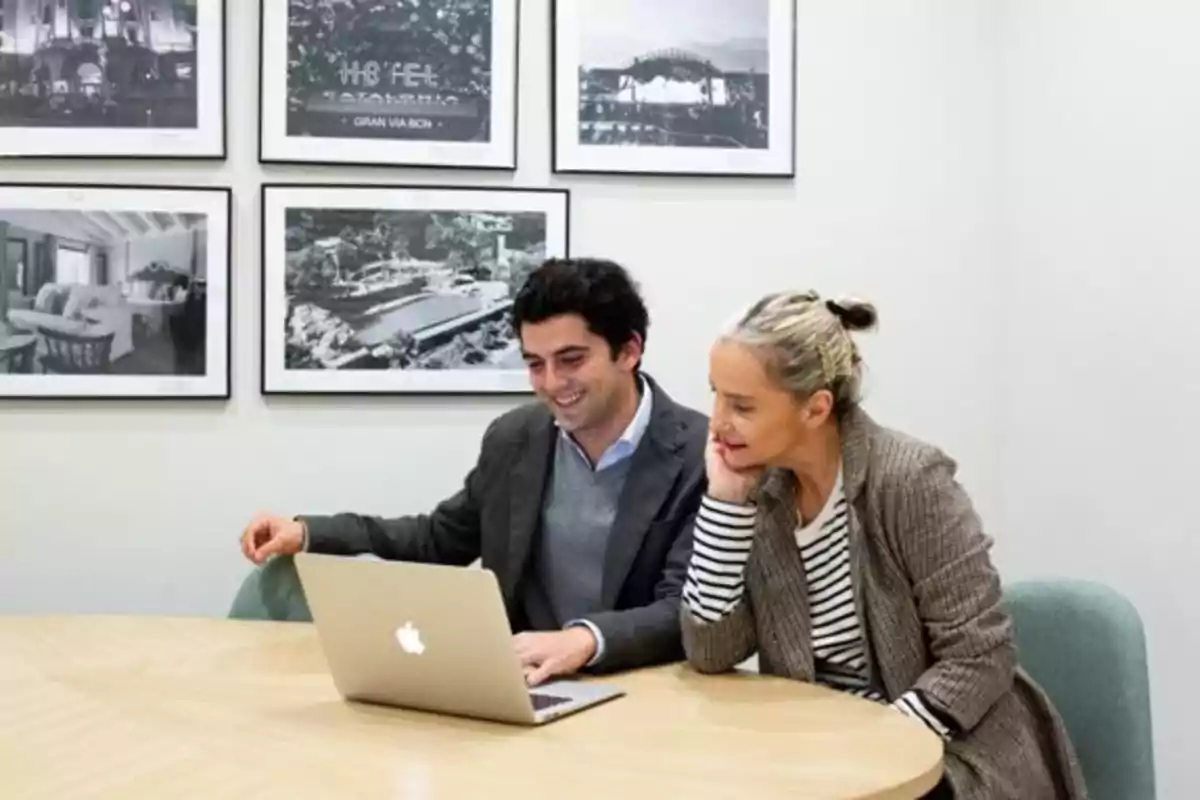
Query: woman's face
point(757, 422)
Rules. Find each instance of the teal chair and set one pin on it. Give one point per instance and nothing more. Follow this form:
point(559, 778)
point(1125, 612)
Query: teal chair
point(1085, 645)
point(272, 592)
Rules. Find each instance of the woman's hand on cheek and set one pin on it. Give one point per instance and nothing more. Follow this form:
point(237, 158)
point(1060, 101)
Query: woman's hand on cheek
point(726, 483)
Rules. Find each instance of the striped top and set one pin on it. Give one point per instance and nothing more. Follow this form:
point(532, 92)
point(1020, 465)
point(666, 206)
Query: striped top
point(715, 584)
point(839, 653)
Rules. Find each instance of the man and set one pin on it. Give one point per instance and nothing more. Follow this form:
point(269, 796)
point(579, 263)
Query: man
point(582, 503)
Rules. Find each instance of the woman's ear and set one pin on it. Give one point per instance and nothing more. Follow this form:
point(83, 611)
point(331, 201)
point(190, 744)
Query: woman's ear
point(818, 408)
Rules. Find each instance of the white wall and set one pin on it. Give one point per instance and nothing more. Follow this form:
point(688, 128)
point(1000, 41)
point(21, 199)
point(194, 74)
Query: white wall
point(1101, 444)
point(890, 202)
point(966, 184)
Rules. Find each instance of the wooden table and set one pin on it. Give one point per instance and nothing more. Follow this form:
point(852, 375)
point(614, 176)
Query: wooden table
point(150, 707)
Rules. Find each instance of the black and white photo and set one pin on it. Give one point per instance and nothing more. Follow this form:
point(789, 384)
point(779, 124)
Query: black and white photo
point(398, 289)
point(112, 78)
point(699, 87)
point(109, 291)
point(398, 82)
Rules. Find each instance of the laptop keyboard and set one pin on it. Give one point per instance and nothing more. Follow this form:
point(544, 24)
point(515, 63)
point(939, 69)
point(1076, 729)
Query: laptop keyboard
point(544, 701)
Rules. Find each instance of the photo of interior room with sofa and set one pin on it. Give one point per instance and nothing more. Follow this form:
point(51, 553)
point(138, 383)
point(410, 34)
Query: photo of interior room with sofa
point(103, 292)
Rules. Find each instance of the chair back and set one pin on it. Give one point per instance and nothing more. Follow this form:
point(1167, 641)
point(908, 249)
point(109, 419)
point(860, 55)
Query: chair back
point(1085, 645)
point(272, 592)
point(77, 354)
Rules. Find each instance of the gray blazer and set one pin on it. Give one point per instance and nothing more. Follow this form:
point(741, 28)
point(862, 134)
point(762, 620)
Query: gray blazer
point(495, 517)
point(930, 602)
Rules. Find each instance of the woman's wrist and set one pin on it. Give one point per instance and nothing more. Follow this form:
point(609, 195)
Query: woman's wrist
point(733, 497)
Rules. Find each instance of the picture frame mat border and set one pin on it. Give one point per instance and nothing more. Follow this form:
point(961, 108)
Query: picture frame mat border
point(279, 381)
point(276, 147)
point(141, 144)
point(568, 157)
point(216, 384)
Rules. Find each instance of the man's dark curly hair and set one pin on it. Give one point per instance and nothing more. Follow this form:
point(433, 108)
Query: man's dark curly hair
point(598, 290)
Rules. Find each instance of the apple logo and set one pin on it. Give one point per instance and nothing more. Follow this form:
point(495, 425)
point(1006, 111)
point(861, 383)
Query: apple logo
point(409, 639)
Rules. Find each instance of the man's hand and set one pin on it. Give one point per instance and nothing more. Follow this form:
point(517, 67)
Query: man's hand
point(549, 655)
point(268, 536)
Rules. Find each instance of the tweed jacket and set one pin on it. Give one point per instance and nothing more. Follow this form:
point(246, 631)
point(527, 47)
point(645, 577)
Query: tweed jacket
point(929, 601)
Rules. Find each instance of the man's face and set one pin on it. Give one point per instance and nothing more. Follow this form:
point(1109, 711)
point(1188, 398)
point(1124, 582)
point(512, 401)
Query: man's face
point(574, 371)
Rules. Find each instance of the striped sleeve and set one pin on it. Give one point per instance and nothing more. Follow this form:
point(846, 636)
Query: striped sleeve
point(914, 706)
point(721, 544)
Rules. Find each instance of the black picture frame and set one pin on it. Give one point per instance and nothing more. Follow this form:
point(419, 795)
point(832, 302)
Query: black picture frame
point(177, 333)
point(662, 144)
point(207, 68)
point(277, 144)
point(363, 337)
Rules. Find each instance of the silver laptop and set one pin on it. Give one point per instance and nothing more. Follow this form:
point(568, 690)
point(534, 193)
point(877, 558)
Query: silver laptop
point(428, 637)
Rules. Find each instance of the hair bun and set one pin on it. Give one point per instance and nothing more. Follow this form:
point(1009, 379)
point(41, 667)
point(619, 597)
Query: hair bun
point(855, 315)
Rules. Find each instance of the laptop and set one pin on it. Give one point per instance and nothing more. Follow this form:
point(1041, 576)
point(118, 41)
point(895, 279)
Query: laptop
point(430, 638)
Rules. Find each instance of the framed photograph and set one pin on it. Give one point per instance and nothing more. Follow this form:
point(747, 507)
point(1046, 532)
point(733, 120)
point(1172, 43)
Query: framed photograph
point(112, 78)
point(400, 289)
point(114, 291)
point(421, 84)
point(693, 87)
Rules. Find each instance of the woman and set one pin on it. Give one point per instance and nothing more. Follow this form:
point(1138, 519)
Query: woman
point(846, 553)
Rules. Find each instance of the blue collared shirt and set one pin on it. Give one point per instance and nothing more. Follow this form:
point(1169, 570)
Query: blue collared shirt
point(624, 447)
point(627, 443)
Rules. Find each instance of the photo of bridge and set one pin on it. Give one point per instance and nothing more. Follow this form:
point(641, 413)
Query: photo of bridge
point(694, 74)
point(406, 289)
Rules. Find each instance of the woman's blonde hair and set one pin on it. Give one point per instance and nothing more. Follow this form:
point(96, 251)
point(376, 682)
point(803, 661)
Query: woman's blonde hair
point(806, 344)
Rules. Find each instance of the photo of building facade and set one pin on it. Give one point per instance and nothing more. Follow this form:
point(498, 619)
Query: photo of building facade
point(98, 63)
